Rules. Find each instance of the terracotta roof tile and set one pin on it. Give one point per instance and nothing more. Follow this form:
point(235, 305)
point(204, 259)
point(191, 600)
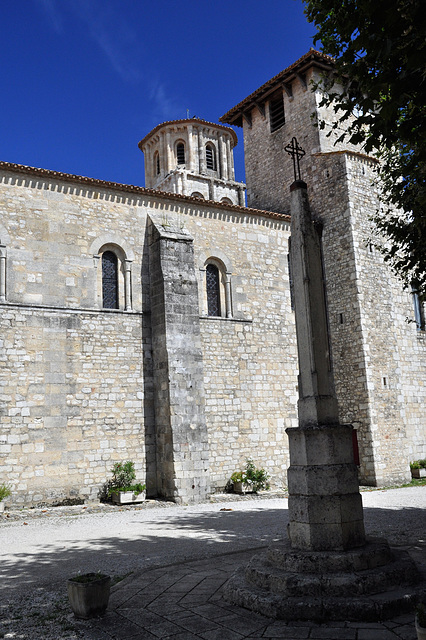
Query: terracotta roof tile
point(131, 189)
point(311, 58)
point(189, 121)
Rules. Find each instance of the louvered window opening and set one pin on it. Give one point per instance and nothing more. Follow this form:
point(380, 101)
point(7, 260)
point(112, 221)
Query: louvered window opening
point(157, 164)
point(213, 293)
point(180, 153)
point(276, 113)
point(109, 280)
point(210, 158)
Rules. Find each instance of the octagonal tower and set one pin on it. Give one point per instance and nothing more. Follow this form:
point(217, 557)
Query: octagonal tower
point(193, 157)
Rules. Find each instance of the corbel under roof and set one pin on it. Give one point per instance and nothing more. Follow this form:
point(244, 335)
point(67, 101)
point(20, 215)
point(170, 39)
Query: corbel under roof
point(284, 79)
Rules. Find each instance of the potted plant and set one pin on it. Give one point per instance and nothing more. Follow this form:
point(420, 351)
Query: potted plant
point(5, 492)
point(421, 622)
point(238, 479)
point(418, 468)
point(122, 488)
point(251, 479)
point(88, 594)
point(256, 479)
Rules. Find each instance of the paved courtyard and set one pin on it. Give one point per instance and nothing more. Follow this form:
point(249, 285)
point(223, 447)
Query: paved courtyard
point(179, 557)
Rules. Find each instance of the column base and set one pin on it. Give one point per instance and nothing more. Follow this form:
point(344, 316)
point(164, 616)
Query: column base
point(368, 584)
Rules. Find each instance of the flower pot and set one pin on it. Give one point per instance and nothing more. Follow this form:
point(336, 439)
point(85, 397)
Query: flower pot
point(238, 487)
point(421, 631)
point(89, 594)
point(418, 473)
point(127, 497)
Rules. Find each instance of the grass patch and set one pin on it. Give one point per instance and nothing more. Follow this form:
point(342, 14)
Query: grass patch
point(415, 482)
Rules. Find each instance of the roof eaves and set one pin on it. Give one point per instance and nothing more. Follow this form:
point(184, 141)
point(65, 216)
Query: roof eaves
point(135, 190)
point(311, 58)
point(199, 121)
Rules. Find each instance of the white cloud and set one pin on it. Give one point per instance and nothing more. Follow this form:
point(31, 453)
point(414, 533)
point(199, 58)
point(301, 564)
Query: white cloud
point(106, 27)
point(50, 9)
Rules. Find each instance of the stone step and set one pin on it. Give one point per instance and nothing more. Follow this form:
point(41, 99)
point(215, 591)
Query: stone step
point(371, 608)
point(375, 553)
point(400, 571)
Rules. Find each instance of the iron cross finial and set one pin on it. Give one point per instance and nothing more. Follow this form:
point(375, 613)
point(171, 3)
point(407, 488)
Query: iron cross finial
point(296, 152)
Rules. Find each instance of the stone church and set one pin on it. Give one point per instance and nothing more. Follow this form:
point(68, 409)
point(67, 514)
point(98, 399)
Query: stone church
point(156, 325)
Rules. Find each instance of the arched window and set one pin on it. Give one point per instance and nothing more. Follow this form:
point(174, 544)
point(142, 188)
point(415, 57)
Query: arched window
point(226, 201)
point(180, 153)
point(110, 280)
point(197, 194)
point(213, 290)
point(210, 157)
point(156, 163)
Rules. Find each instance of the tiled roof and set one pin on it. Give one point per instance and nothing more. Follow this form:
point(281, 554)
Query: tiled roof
point(189, 121)
point(131, 189)
point(312, 58)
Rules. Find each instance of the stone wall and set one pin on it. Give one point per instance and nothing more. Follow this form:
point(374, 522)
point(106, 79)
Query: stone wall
point(73, 401)
point(378, 354)
point(77, 380)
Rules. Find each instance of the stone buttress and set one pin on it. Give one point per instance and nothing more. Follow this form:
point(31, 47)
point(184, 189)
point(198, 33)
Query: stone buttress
point(181, 432)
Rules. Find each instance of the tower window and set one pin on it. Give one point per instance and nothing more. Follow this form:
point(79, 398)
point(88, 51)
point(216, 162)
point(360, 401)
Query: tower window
point(109, 280)
point(213, 292)
point(276, 113)
point(157, 163)
point(180, 153)
point(210, 157)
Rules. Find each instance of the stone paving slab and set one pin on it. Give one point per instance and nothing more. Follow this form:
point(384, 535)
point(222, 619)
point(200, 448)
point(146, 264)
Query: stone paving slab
point(184, 602)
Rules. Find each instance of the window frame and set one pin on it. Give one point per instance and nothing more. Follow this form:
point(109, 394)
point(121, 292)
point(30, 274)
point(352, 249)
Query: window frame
point(276, 112)
point(213, 296)
point(157, 167)
point(211, 157)
point(110, 283)
point(180, 153)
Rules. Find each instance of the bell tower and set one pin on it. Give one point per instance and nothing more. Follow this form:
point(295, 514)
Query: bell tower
point(193, 157)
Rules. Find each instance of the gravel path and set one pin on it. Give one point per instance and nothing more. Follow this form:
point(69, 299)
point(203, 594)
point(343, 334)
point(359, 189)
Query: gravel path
point(42, 548)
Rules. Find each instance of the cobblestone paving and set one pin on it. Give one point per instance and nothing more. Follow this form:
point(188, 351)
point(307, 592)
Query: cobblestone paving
point(181, 600)
point(184, 602)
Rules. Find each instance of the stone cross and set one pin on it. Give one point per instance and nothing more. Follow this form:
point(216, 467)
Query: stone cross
point(325, 507)
point(296, 152)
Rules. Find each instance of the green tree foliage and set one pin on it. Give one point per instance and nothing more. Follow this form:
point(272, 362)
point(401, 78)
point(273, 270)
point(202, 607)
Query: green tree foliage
point(379, 47)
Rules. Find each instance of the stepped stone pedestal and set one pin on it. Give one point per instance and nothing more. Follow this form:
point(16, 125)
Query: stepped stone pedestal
point(327, 570)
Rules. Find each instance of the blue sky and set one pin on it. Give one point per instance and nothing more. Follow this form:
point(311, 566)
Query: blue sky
point(82, 81)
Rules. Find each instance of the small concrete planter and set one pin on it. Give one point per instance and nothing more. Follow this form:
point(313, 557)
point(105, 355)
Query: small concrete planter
point(2, 505)
point(421, 631)
point(239, 487)
point(89, 594)
point(418, 473)
point(128, 497)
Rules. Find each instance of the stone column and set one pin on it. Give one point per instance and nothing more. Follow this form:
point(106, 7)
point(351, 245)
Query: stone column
point(241, 200)
point(163, 155)
point(128, 284)
point(190, 150)
point(2, 273)
point(169, 162)
point(181, 431)
point(223, 158)
point(325, 507)
point(201, 152)
point(230, 159)
point(227, 282)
